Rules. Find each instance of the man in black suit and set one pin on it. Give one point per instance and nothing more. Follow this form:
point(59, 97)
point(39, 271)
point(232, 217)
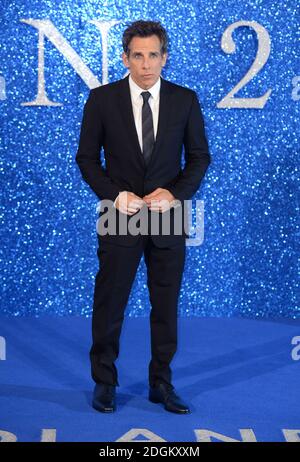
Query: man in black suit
point(142, 122)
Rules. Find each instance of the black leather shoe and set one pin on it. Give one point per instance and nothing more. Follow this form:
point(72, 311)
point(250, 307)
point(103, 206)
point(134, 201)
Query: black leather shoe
point(104, 398)
point(164, 393)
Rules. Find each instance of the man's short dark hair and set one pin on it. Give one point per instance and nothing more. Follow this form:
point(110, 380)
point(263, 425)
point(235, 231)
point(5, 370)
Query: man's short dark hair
point(145, 29)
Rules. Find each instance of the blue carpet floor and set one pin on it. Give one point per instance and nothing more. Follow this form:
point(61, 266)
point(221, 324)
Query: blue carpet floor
point(238, 375)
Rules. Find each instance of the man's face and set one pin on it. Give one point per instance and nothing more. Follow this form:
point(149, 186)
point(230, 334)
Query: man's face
point(145, 60)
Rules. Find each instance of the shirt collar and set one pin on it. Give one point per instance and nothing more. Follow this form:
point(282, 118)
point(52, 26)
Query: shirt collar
point(136, 90)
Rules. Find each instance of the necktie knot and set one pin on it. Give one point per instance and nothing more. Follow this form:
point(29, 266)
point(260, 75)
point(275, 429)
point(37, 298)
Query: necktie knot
point(146, 95)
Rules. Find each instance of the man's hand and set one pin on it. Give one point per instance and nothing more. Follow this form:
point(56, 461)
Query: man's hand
point(159, 200)
point(129, 203)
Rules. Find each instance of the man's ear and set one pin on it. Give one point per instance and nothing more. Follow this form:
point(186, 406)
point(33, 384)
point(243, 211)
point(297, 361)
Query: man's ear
point(125, 59)
point(165, 57)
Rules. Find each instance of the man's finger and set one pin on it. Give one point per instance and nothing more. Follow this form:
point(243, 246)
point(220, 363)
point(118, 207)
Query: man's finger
point(132, 209)
point(155, 210)
point(152, 199)
point(154, 205)
point(154, 193)
point(136, 203)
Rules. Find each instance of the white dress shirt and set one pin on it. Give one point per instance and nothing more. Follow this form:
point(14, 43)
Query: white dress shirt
point(137, 104)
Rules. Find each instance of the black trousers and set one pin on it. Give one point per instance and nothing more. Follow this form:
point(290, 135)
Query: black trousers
point(117, 269)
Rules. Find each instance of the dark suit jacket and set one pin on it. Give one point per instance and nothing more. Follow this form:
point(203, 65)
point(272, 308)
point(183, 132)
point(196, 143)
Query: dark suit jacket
point(108, 123)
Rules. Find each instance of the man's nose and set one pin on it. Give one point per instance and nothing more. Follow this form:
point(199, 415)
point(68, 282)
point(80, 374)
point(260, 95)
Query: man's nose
point(146, 63)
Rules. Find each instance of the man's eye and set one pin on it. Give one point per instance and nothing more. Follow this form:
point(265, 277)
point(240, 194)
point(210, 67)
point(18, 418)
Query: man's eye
point(154, 55)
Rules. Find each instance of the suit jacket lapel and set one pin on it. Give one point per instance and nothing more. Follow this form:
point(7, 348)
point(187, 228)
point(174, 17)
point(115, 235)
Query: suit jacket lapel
point(128, 117)
point(126, 110)
point(163, 117)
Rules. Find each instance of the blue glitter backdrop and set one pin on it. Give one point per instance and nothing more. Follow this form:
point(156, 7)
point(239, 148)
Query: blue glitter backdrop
point(247, 264)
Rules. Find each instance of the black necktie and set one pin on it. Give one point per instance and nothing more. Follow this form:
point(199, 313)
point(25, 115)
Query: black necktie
point(147, 127)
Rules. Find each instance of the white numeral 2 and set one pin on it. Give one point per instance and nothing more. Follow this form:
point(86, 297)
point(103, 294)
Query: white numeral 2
point(263, 52)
